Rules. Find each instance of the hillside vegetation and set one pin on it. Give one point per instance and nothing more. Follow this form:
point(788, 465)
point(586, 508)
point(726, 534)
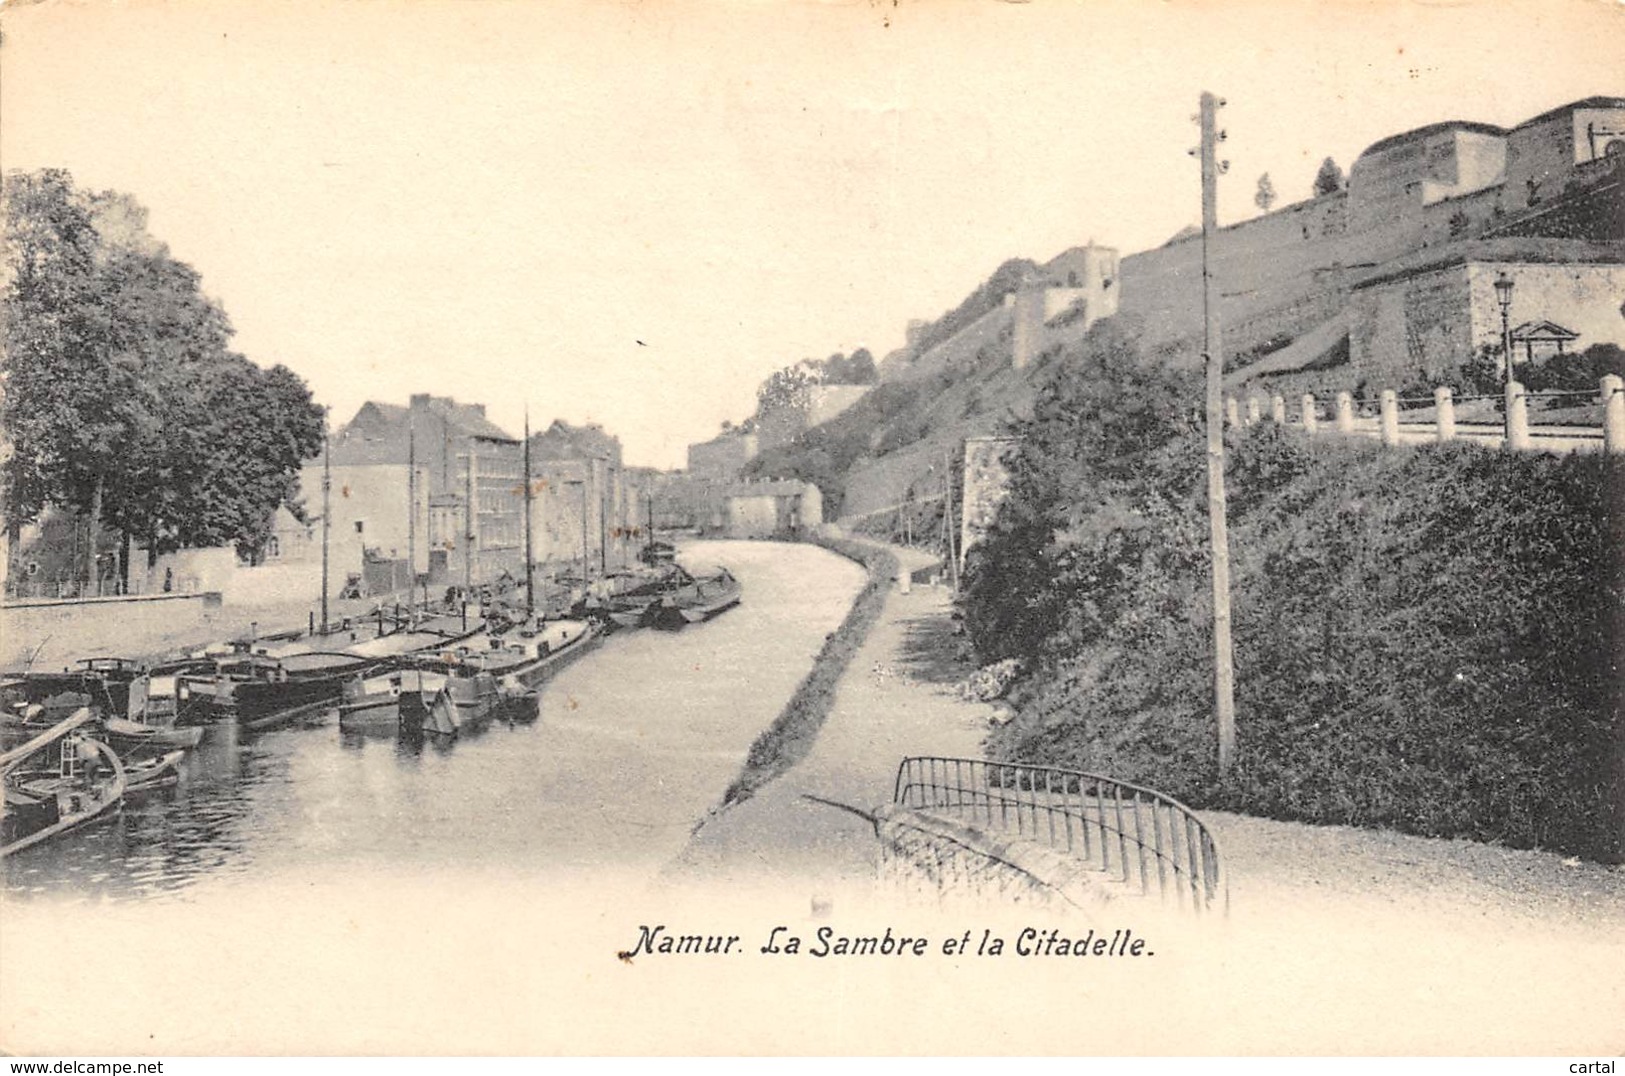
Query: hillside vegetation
point(976, 390)
point(1426, 639)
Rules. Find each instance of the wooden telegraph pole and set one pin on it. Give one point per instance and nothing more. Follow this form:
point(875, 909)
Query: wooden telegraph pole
point(530, 571)
point(1224, 687)
point(948, 516)
point(411, 512)
point(327, 519)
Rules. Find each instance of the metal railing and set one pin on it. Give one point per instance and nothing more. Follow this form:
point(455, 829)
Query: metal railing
point(1136, 834)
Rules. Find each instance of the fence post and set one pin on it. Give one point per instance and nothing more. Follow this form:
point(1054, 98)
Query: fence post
point(1390, 417)
point(1309, 416)
point(1278, 410)
point(1232, 413)
point(1444, 402)
point(1517, 402)
point(1613, 414)
point(1255, 411)
point(1345, 412)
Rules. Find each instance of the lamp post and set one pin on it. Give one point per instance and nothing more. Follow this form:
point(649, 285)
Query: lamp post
point(1503, 295)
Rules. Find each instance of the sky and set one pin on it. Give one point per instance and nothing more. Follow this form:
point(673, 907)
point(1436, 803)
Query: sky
point(631, 213)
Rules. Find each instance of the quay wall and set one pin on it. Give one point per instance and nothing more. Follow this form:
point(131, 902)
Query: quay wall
point(62, 631)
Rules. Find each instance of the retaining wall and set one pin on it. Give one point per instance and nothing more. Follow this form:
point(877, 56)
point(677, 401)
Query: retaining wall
point(63, 631)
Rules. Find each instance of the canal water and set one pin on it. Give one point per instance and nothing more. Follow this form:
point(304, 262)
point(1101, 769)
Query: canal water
point(635, 742)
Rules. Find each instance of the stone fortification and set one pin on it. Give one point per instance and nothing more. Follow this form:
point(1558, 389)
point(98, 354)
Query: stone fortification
point(1374, 272)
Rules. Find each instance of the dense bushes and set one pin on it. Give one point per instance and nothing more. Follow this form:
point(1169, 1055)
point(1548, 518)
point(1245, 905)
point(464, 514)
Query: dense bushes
point(1425, 639)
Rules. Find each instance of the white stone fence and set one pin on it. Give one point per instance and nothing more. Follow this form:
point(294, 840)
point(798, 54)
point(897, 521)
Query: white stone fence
point(1514, 430)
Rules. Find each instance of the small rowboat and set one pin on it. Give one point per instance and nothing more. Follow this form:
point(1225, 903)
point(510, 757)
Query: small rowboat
point(125, 736)
point(156, 771)
point(49, 786)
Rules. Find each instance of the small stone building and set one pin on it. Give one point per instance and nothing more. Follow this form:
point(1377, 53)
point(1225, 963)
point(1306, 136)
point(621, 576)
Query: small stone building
point(770, 509)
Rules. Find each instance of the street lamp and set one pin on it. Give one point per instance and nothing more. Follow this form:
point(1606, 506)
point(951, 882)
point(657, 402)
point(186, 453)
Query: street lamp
point(1503, 295)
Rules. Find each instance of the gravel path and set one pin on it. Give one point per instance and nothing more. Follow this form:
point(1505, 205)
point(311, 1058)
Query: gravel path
point(1339, 940)
point(895, 700)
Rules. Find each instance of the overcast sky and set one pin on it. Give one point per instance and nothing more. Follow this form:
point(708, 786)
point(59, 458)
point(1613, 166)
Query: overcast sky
point(500, 201)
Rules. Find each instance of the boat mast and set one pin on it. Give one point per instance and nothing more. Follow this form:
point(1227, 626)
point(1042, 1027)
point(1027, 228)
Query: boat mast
point(327, 518)
point(468, 526)
point(411, 507)
point(530, 573)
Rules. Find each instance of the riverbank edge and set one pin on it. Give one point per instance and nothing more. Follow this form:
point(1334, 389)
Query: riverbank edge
point(790, 737)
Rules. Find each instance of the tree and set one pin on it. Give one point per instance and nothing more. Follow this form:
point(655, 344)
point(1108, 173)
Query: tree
point(1266, 193)
point(789, 389)
point(122, 401)
point(1078, 478)
point(261, 425)
point(1329, 180)
point(839, 369)
point(73, 399)
point(860, 368)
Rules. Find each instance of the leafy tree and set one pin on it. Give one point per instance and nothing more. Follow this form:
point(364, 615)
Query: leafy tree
point(789, 389)
point(1265, 197)
point(856, 369)
point(1329, 180)
point(1078, 475)
point(74, 402)
point(261, 425)
point(1574, 371)
point(122, 401)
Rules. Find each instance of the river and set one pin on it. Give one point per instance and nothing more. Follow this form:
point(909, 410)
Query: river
point(636, 740)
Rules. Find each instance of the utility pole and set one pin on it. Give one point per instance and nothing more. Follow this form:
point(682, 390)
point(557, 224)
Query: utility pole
point(327, 519)
point(1224, 687)
point(468, 520)
point(603, 520)
point(948, 515)
point(530, 573)
point(585, 571)
point(411, 508)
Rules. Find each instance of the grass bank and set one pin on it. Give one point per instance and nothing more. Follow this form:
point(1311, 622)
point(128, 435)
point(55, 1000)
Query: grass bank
point(790, 737)
point(1428, 639)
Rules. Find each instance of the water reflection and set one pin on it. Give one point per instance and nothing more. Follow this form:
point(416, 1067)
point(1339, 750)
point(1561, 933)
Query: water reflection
point(630, 745)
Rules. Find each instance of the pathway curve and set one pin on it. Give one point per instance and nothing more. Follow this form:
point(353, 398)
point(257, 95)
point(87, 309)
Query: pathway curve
point(897, 698)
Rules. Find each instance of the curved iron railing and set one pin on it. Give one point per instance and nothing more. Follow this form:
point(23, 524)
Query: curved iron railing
point(1135, 833)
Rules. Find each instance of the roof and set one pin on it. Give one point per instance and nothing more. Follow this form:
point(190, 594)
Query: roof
point(1574, 106)
point(1524, 250)
point(1420, 133)
point(564, 441)
point(1543, 330)
point(467, 420)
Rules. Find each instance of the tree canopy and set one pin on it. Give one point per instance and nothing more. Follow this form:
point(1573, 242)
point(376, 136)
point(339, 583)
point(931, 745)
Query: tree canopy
point(1264, 197)
point(1329, 180)
point(123, 401)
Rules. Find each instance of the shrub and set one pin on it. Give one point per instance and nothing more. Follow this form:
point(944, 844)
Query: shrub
point(1424, 639)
